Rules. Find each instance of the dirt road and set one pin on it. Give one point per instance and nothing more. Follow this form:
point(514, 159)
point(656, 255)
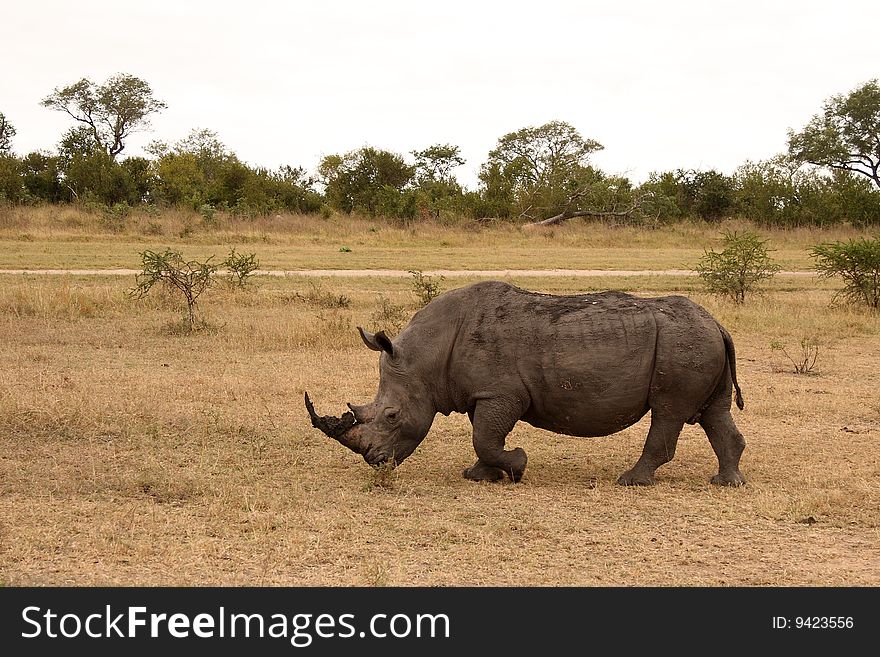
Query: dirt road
point(401, 273)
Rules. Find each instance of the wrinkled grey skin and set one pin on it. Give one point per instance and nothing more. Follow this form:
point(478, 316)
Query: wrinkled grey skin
point(582, 365)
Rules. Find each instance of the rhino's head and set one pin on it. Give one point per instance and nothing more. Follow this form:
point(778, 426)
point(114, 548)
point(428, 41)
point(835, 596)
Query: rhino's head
point(390, 428)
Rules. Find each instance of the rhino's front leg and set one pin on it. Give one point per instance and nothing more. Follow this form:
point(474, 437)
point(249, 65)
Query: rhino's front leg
point(493, 419)
point(479, 471)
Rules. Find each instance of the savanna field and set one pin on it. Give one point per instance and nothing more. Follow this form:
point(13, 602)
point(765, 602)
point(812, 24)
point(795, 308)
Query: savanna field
point(135, 453)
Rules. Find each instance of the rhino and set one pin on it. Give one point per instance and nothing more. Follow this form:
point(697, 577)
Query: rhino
point(582, 365)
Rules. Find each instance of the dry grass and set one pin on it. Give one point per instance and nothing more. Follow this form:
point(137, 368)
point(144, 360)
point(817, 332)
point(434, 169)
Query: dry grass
point(65, 237)
point(131, 456)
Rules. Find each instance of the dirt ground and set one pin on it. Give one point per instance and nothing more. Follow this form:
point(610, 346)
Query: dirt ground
point(131, 453)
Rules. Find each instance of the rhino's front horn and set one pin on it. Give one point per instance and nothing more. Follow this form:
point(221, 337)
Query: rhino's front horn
point(335, 427)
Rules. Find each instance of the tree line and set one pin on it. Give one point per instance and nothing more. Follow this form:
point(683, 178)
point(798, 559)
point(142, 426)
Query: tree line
point(539, 174)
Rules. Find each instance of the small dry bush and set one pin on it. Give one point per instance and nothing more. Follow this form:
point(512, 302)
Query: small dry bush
point(240, 268)
point(318, 295)
point(171, 270)
point(803, 358)
point(426, 288)
point(389, 317)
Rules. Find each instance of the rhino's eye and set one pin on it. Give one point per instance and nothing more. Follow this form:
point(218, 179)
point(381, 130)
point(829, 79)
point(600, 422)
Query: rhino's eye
point(391, 414)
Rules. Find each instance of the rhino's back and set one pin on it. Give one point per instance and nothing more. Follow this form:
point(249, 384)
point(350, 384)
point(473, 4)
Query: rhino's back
point(584, 363)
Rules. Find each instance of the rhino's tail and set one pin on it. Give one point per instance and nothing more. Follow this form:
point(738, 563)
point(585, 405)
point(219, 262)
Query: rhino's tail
point(731, 359)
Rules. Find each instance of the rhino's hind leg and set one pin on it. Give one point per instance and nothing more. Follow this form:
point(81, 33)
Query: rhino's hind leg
point(493, 419)
point(728, 444)
point(479, 471)
point(659, 449)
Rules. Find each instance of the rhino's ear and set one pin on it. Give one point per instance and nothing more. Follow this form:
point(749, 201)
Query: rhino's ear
point(377, 341)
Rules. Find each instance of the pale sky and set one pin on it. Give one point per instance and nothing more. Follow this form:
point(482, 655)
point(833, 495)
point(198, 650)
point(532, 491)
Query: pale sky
point(662, 85)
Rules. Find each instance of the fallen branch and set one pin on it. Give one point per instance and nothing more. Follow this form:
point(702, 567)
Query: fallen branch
point(570, 214)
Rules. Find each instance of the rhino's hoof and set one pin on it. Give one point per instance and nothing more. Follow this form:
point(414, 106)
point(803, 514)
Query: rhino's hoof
point(633, 478)
point(729, 479)
point(481, 472)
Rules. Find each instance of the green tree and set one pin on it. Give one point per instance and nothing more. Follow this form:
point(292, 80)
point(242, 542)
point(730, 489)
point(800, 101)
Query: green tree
point(845, 136)
point(200, 171)
point(204, 144)
point(426, 288)
point(293, 189)
point(240, 267)
point(367, 180)
point(709, 195)
point(7, 132)
point(845, 196)
point(496, 197)
point(11, 188)
point(86, 171)
point(713, 195)
point(41, 176)
point(667, 194)
point(767, 191)
point(435, 163)
point(180, 180)
point(543, 169)
point(438, 190)
point(739, 268)
point(111, 111)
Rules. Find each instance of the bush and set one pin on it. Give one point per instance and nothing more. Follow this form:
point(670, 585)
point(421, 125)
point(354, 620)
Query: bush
point(857, 262)
point(805, 360)
point(241, 267)
point(208, 213)
point(11, 188)
point(191, 278)
point(427, 288)
point(739, 268)
point(389, 317)
point(113, 218)
point(318, 296)
point(368, 180)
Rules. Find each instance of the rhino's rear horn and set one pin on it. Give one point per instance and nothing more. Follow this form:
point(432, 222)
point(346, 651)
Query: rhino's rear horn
point(377, 341)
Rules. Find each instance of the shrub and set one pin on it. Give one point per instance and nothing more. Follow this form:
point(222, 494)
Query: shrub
point(857, 262)
point(805, 360)
point(389, 317)
point(739, 268)
point(113, 218)
point(191, 278)
point(426, 288)
point(240, 267)
point(208, 213)
point(318, 296)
